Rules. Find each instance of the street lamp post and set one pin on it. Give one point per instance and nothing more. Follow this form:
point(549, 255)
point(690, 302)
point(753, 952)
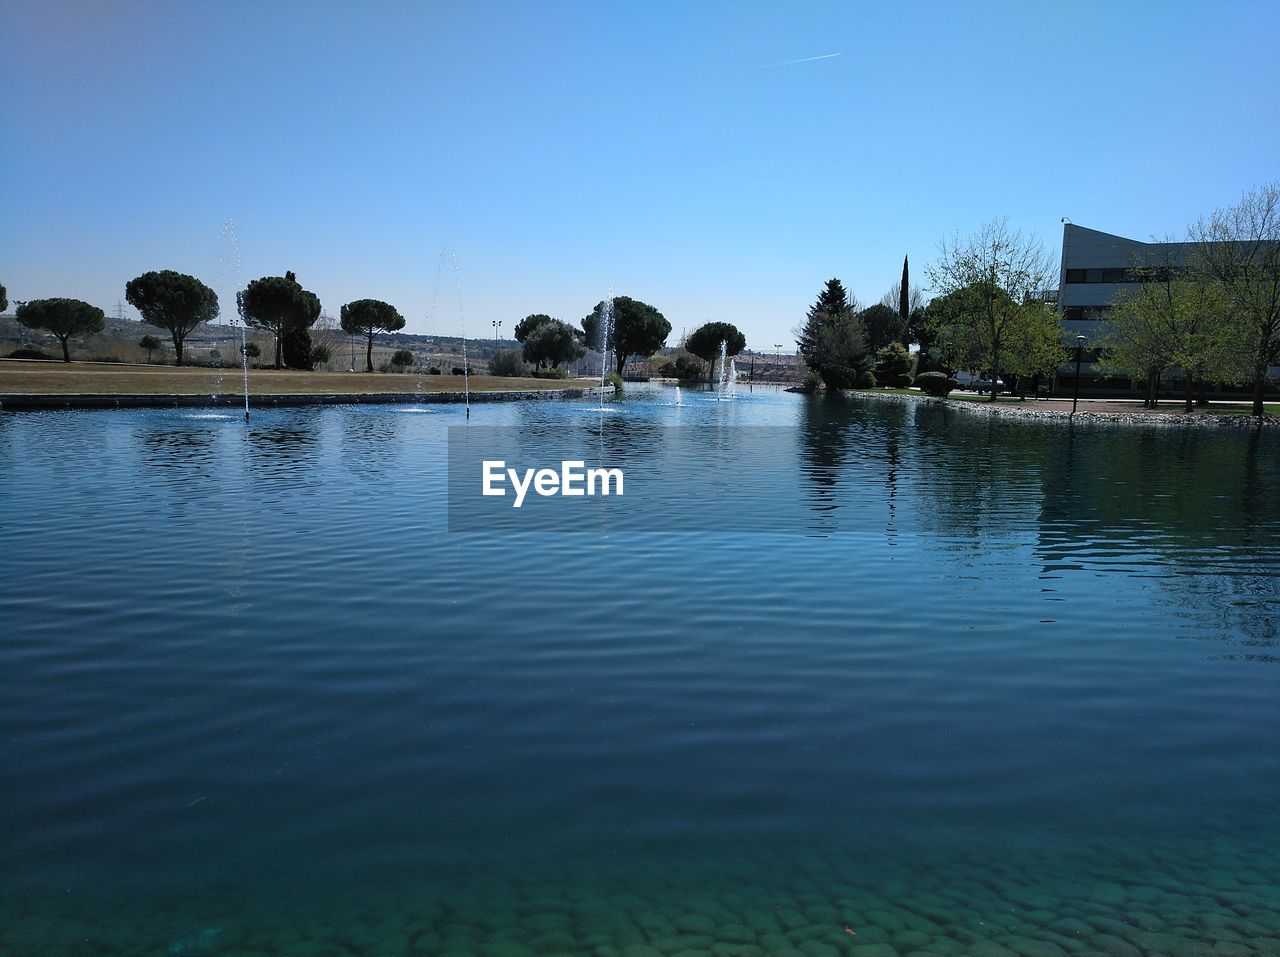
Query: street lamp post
point(497, 326)
point(777, 358)
point(1080, 340)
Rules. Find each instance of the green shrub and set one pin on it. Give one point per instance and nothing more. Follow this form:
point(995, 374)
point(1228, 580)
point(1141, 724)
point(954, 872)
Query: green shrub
point(457, 370)
point(434, 370)
point(506, 362)
point(402, 359)
point(936, 383)
point(321, 355)
point(684, 367)
point(812, 381)
point(555, 372)
point(295, 348)
point(893, 366)
point(867, 380)
point(614, 380)
point(30, 354)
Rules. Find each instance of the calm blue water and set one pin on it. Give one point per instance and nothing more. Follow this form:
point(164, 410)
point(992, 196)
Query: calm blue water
point(967, 686)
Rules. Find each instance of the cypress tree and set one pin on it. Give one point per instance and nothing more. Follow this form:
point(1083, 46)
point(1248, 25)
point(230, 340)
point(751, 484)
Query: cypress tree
point(904, 294)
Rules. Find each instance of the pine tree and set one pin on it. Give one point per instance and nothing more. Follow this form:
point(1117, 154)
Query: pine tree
point(832, 341)
point(832, 300)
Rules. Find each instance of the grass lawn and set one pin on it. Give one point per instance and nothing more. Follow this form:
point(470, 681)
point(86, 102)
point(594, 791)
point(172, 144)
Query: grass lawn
point(917, 393)
point(78, 378)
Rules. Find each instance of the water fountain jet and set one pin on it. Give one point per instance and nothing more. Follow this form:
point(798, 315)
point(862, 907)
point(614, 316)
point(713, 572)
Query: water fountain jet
point(446, 252)
point(230, 258)
point(606, 327)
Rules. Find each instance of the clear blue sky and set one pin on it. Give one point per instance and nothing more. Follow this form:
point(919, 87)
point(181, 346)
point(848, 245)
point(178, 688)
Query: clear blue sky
point(563, 147)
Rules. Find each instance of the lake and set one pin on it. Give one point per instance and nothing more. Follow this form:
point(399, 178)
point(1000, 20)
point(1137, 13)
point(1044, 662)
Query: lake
point(834, 676)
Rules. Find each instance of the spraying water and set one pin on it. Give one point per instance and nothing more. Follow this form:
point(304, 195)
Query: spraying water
point(606, 329)
point(229, 259)
point(678, 395)
point(727, 386)
point(447, 253)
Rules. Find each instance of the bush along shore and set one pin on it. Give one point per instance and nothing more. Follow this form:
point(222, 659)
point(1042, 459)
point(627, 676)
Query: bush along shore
point(1029, 411)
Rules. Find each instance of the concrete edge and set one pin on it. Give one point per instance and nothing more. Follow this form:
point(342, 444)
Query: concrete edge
point(13, 402)
point(1159, 419)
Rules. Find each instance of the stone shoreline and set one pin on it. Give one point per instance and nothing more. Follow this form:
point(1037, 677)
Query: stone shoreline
point(11, 402)
point(1166, 419)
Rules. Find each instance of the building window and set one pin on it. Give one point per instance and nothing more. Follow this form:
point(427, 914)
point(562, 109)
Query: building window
point(1120, 274)
point(1080, 313)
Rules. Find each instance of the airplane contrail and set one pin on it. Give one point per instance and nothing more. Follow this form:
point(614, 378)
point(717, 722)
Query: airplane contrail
point(825, 56)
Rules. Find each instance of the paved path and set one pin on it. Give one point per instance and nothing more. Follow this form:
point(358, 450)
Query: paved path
point(1166, 406)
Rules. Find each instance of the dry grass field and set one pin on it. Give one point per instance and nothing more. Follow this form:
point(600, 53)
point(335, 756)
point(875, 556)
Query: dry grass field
point(78, 378)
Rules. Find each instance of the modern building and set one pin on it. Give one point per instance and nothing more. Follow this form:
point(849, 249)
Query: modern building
point(1095, 267)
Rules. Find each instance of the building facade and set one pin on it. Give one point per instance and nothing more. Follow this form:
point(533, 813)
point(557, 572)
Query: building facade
point(1095, 267)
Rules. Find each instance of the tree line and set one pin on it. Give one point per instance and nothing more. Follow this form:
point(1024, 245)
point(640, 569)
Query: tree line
point(1210, 312)
point(635, 329)
point(178, 303)
point(622, 326)
point(988, 315)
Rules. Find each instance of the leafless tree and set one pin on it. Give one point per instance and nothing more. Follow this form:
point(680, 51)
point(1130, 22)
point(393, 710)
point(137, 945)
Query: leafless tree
point(892, 298)
point(328, 332)
point(996, 271)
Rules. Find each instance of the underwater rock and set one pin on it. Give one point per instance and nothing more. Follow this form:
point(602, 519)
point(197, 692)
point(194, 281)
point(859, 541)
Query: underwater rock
point(505, 948)
point(946, 947)
point(553, 940)
point(1113, 946)
point(818, 948)
point(810, 932)
point(673, 945)
point(790, 919)
point(201, 943)
point(989, 948)
point(735, 934)
point(1026, 947)
point(874, 950)
point(908, 939)
point(640, 950)
point(736, 950)
point(545, 921)
point(695, 924)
